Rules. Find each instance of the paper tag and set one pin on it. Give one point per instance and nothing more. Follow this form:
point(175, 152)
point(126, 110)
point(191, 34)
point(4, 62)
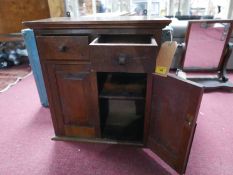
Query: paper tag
point(164, 58)
point(161, 70)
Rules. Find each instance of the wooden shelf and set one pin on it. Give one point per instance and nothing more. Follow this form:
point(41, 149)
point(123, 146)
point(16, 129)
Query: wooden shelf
point(123, 87)
point(121, 97)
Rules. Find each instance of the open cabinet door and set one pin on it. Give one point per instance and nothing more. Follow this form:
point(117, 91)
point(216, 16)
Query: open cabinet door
point(174, 109)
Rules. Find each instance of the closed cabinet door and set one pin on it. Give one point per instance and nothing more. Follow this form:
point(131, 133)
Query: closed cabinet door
point(174, 109)
point(75, 100)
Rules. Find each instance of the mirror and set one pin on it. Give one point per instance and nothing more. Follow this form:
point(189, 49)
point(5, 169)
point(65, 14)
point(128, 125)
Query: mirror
point(207, 51)
point(205, 45)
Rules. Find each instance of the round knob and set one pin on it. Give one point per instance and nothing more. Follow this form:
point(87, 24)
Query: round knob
point(122, 60)
point(63, 48)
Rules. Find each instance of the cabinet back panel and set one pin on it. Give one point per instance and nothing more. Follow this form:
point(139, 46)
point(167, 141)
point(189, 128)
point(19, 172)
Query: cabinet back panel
point(124, 120)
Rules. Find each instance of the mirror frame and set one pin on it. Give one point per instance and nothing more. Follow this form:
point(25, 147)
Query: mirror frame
point(221, 59)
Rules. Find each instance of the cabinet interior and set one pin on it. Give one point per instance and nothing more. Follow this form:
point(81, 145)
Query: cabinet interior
point(137, 39)
point(122, 105)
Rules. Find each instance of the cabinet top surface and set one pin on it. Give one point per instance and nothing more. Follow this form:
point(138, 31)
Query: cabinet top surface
point(96, 22)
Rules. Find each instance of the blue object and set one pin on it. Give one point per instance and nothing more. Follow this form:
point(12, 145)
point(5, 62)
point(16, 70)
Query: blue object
point(33, 56)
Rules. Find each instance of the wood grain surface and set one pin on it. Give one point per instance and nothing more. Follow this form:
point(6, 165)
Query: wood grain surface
point(13, 12)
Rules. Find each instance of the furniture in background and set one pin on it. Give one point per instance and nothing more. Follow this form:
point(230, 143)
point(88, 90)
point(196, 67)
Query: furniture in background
point(179, 32)
point(11, 50)
point(12, 12)
point(191, 17)
point(30, 43)
point(207, 50)
point(99, 79)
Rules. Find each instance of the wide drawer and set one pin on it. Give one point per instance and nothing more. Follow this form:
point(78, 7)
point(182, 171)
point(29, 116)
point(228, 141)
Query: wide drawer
point(63, 47)
point(123, 57)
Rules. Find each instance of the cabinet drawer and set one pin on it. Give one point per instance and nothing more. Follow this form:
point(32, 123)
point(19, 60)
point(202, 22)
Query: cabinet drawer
point(63, 47)
point(123, 57)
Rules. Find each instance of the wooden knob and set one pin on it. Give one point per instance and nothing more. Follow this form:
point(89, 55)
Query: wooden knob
point(63, 48)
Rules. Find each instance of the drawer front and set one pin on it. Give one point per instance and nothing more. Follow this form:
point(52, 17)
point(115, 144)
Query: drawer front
point(135, 59)
point(63, 47)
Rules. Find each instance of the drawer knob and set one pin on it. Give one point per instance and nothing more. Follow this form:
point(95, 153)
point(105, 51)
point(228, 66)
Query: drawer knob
point(63, 48)
point(122, 59)
point(189, 119)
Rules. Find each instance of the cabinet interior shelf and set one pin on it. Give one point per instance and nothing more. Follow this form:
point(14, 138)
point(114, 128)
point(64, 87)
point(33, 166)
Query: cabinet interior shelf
point(121, 97)
point(125, 40)
point(122, 86)
point(122, 105)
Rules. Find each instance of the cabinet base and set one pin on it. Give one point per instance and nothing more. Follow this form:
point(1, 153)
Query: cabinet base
point(96, 140)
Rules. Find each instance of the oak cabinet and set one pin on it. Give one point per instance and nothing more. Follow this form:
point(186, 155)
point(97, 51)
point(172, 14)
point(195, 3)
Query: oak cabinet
point(63, 47)
point(74, 92)
point(174, 110)
point(101, 87)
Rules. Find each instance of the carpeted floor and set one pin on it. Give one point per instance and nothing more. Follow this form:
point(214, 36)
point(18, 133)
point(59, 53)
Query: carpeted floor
point(26, 148)
point(10, 76)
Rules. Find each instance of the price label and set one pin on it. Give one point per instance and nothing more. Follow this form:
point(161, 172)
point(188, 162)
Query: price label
point(161, 70)
point(164, 58)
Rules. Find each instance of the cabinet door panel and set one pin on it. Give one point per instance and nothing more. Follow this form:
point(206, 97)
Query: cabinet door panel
point(76, 90)
point(174, 109)
point(73, 88)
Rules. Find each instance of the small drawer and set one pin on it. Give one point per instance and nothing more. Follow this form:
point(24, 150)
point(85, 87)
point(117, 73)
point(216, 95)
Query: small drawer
point(118, 56)
point(63, 47)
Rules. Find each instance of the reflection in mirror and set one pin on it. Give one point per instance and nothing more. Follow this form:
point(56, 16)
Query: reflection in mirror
point(205, 45)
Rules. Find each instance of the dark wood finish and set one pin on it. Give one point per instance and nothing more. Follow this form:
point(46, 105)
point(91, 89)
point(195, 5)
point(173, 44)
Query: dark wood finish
point(129, 22)
point(147, 107)
point(122, 97)
point(156, 33)
point(174, 111)
point(138, 59)
point(98, 140)
point(90, 81)
point(74, 89)
point(63, 47)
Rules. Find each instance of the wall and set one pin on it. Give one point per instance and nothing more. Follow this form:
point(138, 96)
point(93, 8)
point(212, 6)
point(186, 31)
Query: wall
point(13, 12)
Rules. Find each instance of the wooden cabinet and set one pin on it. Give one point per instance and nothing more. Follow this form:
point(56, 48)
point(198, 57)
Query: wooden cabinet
point(174, 109)
point(123, 53)
point(75, 100)
point(101, 87)
point(63, 47)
